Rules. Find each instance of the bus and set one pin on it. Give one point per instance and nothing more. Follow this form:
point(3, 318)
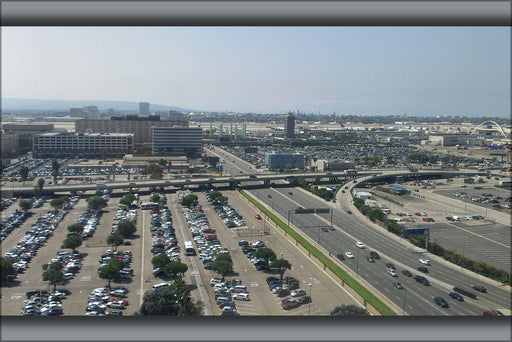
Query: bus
point(189, 248)
point(149, 205)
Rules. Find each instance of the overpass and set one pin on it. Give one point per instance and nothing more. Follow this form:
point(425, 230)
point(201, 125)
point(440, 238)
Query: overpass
point(332, 177)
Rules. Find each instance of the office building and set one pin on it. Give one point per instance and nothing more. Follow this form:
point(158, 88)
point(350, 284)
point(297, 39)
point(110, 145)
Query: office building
point(140, 127)
point(177, 140)
point(278, 161)
point(27, 128)
point(76, 112)
point(143, 108)
point(82, 144)
point(10, 142)
point(290, 125)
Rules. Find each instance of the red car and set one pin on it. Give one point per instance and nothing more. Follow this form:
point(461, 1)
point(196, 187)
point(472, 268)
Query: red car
point(417, 214)
point(425, 219)
point(115, 299)
point(208, 230)
point(480, 288)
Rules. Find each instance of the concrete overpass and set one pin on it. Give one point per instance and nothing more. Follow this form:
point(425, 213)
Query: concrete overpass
point(332, 177)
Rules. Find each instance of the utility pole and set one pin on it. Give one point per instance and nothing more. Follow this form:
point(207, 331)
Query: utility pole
point(331, 218)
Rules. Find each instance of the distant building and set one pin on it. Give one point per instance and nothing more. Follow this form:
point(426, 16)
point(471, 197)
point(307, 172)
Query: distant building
point(27, 128)
point(76, 112)
point(9, 142)
point(453, 139)
point(290, 125)
point(143, 108)
point(175, 115)
point(176, 140)
point(277, 161)
point(91, 112)
point(82, 144)
point(139, 126)
point(362, 194)
point(332, 165)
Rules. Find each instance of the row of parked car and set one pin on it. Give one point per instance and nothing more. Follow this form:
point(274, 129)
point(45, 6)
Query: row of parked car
point(27, 247)
point(249, 250)
point(164, 236)
point(226, 293)
point(99, 300)
point(12, 221)
point(6, 202)
point(39, 302)
point(126, 256)
point(124, 215)
point(89, 221)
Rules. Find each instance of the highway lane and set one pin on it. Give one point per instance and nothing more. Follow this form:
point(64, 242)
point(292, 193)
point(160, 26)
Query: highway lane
point(441, 277)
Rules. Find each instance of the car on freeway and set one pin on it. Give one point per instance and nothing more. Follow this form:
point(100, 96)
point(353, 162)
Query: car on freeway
point(340, 257)
point(422, 280)
point(390, 265)
point(398, 285)
point(423, 269)
point(324, 229)
point(480, 288)
point(370, 258)
point(441, 302)
point(298, 293)
point(456, 296)
point(375, 255)
point(332, 228)
point(359, 244)
point(391, 272)
point(493, 312)
point(349, 212)
point(407, 273)
point(349, 255)
point(425, 262)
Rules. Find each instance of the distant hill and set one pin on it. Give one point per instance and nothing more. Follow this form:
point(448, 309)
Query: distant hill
point(34, 104)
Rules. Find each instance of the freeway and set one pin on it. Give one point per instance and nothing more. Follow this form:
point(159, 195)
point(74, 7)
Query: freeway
point(416, 299)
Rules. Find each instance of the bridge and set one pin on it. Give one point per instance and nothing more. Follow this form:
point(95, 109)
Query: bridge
point(332, 177)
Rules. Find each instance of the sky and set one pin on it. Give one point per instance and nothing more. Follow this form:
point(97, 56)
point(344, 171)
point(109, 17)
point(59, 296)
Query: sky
point(347, 70)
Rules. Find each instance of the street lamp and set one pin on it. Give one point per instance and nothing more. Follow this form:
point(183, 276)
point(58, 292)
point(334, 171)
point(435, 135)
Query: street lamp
point(310, 300)
point(357, 262)
point(281, 255)
point(405, 297)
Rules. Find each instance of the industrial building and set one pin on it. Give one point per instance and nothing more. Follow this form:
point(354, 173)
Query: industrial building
point(140, 127)
point(177, 140)
point(278, 161)
point(27, 128)
point(82, 144)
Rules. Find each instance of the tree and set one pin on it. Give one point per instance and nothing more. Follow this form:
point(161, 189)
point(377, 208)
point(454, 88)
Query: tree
point(37, 192)
point(160, 261)
point(154, 198)
point(111, 270)
point(174, 300)
point(265, 253)
point(96, 202)
point(127, 199)
point(162, 162)
point(72, 241)
point(40, 183)
point(375, 214)
point(23, 172)
point(223, 265)
point(155, 170)
point(349, 310)
point(25, 205)
point(58, 203)
point(115, 240)
point(189, 200)
point(55, 169)
point(190, 152)
point(53, 273)
point(126, 228)
point(282, 265)
point(6, 269)
point(75, 228)
point(174, 268)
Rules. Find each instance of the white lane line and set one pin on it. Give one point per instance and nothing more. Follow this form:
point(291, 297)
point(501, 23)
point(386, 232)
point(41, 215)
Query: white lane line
point(142, 256)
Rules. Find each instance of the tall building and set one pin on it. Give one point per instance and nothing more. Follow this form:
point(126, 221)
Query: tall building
point(143, 108)
point(290, 125)
point(82, 144)
point(175, 140)
point(139, 126)
point(277, 161)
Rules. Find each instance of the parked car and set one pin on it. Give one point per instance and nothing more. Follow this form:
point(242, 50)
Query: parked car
point(298, 293)
point(241, 296)
point(304, 300)
point(288, 303)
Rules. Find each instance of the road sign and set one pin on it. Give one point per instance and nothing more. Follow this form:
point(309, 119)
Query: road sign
point(414, 231)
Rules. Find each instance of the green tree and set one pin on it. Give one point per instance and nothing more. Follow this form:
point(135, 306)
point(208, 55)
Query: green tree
point(75, 228)
point(96, 202)
point(162, 162)
point(115, 240)
point(265, 253)
point(375, 214)
point(432, 159)
point(154, 170)
point(126, 228)
point(6, 269)
point(53, 273)
point(154, 198)
point(58, 203)
point(349, 310)
point(281, 265)
point(222, 265)
point(190, 152)
point(174, 268)
point(160, 261)
point(37, 192)
point(189, 200)
point(25, 205)
point(174, 300)
point(40, 183)
point(111, 270)
point(72, 241)
point(127, 199)
point(55, 169)
point(23, 172)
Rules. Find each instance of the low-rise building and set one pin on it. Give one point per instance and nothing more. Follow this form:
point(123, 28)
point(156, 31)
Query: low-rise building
point(177, 140)
point(277, 161)
point(82, 144)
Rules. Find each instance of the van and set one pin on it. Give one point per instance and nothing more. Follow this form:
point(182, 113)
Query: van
point(239, 289)
point(224, 300)
point(160, 286)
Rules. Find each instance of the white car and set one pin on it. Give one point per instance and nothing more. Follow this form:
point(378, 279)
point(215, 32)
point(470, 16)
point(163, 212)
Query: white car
point(392, 272)
point(425, 262)
point(359, 244)
point(349, 255)
point(241, 296)
point(298, 293)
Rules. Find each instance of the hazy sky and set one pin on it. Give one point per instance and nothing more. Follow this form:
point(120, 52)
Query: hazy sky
point(350, 70)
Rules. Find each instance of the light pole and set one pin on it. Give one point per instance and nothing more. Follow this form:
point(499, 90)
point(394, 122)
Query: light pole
point(357, 263)
point(310, 300)
point(281, 255)
point(405, 297)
